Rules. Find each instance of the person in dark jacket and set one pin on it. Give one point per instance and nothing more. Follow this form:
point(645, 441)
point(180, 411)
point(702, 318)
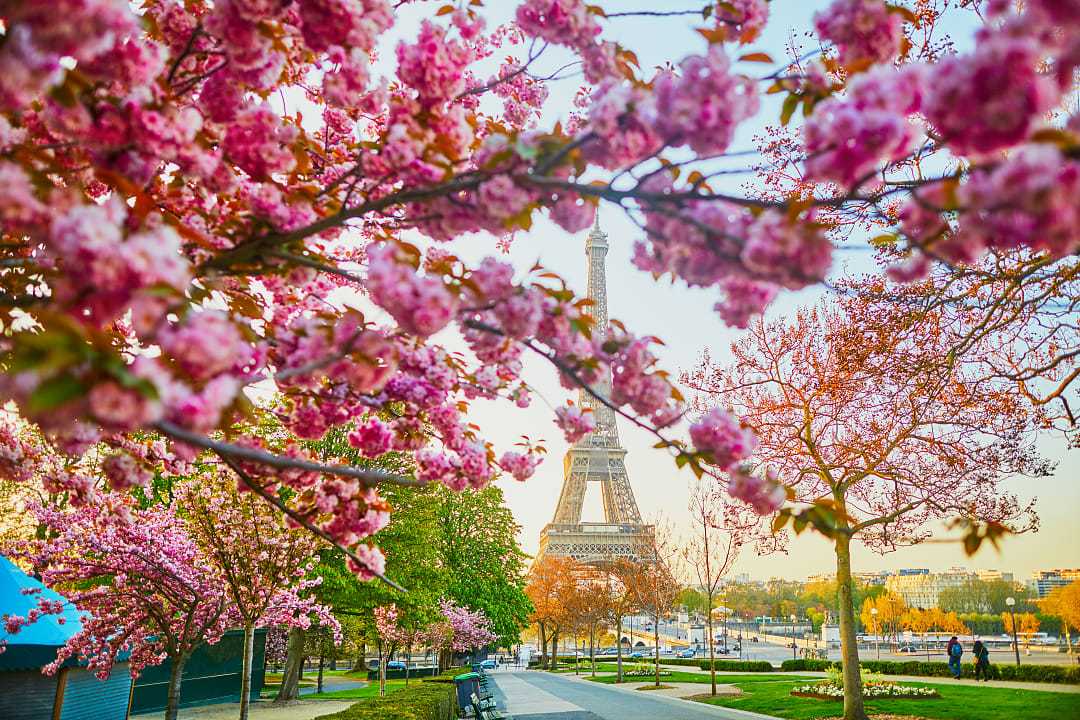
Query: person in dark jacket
point(954, 650)
point(982, 660)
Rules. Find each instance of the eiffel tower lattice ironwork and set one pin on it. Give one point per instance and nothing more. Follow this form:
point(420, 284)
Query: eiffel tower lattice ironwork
point(597, 457)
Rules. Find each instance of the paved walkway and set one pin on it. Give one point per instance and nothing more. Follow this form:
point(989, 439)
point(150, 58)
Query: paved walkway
point(262, 710)
point(534, 695)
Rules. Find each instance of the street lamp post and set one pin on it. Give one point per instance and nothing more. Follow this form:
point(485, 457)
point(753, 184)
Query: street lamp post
point(1011, 602)
point(877, 636)
point(794, 656)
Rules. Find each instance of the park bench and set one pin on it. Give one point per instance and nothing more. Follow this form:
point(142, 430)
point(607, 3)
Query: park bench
point(484, 709)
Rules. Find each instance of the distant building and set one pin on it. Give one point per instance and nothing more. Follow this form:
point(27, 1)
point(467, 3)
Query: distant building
point(994, 575)
point(921, 588)
point(742, 578)
point(913, 571)
point(1043, 582)
point(821, 578)
point(872, 578)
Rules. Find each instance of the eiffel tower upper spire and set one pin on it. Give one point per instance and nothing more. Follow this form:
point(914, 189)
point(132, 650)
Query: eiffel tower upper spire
point(598, 456)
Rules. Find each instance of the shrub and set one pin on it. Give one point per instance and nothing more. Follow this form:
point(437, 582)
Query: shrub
point(422, 701)
point(740, 665)
point(807, 664)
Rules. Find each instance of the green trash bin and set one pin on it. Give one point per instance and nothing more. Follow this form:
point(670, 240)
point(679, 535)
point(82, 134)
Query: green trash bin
point(467, 684)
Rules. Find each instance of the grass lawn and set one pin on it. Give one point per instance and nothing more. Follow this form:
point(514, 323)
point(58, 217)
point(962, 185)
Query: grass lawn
point(370, 690)
point(770, 695)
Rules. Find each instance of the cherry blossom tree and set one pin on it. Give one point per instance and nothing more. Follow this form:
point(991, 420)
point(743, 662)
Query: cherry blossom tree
point(390, 635)
point(262, 562)
point(470, 629)
point(863, 418)
point(157, 196)
point(141, 583)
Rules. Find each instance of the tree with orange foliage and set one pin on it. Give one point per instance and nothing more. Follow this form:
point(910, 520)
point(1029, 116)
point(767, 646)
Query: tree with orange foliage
point(551, 587)
point(653, 581)
point(877, 428)
point(621, 602)
point(1064, 602)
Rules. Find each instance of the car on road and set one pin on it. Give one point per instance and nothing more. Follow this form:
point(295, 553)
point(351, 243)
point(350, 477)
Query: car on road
point(395, 665)
point(488, 664)
point(637, 655)
point(907, 649)
point(687, 653)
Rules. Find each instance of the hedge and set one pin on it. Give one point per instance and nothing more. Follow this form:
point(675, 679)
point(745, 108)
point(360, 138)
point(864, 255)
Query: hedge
point(399, 674)
point(422, 701)
point(739, 665)
point(999, 671)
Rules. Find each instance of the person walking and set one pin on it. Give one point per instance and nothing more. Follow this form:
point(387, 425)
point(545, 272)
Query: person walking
point(954, 650)
point(982, 660)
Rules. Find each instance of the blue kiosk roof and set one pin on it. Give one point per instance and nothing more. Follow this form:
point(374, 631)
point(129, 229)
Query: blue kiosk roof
point(35, 644)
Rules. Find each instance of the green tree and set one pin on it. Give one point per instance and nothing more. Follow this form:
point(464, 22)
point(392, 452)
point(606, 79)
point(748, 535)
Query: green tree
point(985, 596)
point(484, 567)
point(692, 600)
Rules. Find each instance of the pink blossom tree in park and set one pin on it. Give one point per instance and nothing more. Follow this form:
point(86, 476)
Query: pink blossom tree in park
point(157, 196)
point(262, 561)
point(140, 582)
point(459, 630)
point(390, 634)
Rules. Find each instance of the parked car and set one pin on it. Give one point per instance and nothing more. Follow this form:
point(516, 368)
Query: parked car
point(395, 665)
point(687, 653)
point(637, 655)
point(906, 649)
point(489, 664)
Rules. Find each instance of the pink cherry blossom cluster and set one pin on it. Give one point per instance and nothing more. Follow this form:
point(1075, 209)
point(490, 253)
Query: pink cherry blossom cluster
point(723, 438)
point(520, 465)
point(848, 140)
point(574, 421)
point(748, 257)
point(573, 24)
point(861, 30)
point(704, 103)
point(766, 494)
point(744, 19)
point(523, 96)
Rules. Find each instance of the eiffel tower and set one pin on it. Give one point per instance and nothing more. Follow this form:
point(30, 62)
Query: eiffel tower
point(597, 457)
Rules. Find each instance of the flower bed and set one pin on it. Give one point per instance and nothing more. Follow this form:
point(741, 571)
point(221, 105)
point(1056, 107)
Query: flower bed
point(645, 673)
point(832, 691)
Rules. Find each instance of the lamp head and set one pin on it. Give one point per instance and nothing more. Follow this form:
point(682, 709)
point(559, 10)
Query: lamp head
point(1010, 601)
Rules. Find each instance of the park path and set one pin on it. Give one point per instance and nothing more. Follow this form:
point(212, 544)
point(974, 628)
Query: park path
point(262, 710)
point(534, 695)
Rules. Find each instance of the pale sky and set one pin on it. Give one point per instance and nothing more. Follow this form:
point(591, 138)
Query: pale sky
point(684, 319)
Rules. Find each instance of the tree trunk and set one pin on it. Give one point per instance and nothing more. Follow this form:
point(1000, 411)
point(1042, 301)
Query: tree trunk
point(383, 657)
point(543, 644)
point(553, 661)
point(408, 656)
point(656, 648)
point(245, 679)
point(618, 650)
point(712, 655)
point(592, 649)
point(172, 700)
point(849, 650)
point(294, 666)
point(318, 682)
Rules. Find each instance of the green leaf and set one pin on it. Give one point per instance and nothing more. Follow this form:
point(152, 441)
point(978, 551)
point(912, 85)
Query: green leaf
point(55, 392)
point(790, 103)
